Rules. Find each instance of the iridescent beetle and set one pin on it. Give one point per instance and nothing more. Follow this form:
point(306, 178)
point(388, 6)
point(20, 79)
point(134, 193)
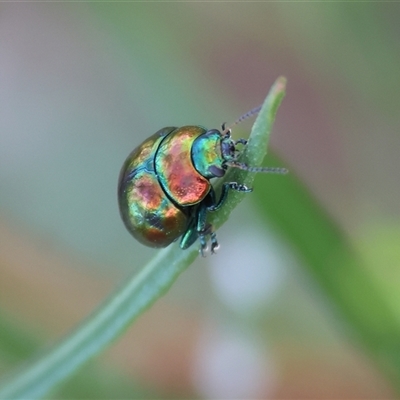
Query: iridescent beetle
point(164, 189)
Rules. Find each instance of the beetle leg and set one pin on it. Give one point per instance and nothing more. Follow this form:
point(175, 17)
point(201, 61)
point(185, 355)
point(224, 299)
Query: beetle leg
point(238, 187)
point(191, 235)
point(211, 204)
point(203, 244)
point(214, 243)
point(203, 229)
point(208, 231)
point(241, 141)
point(198, 226)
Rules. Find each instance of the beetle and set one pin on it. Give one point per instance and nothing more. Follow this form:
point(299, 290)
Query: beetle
point(164, 188)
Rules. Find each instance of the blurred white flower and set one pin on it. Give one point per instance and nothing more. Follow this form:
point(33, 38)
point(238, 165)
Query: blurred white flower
point(248, 270)
point(231, 366)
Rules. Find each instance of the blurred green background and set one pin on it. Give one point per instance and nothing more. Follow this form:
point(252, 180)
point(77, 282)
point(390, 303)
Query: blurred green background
point(82, 84)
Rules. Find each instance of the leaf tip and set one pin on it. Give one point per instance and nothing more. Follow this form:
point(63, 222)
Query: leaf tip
point(279, 86)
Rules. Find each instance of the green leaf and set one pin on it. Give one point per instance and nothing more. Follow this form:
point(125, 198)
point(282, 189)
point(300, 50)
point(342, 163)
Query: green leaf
point(336, 265)
point(111, 319)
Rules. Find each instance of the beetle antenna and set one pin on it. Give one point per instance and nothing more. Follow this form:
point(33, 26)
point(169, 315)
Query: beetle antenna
point(243, 117)
point(267, 170)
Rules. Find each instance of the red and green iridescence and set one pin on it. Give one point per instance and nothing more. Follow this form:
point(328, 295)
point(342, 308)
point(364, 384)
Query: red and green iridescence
point(175, 170)
point(149, 215)
point(164, 177)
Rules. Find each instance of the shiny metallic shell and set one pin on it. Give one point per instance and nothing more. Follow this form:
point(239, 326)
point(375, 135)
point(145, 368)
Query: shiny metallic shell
point(175, 170)
point(149, 215)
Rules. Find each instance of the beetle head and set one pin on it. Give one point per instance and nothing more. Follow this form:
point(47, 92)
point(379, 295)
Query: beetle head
point(230, 153)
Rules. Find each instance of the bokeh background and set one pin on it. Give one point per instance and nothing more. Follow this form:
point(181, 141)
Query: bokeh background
point(82, 84)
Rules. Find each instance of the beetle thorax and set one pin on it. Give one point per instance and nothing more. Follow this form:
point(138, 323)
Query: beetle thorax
point(207, 154)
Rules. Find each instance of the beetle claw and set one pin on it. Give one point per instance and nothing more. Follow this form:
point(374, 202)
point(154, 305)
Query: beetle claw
point(214, 243)
point(208, 231)
point(239, 187)
point(203, 244)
